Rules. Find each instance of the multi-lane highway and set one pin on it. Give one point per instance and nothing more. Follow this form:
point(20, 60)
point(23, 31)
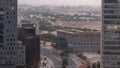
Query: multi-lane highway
point(54, 56)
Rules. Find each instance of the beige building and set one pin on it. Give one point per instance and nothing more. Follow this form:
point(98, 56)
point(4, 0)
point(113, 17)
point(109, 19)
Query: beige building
point(21, 54)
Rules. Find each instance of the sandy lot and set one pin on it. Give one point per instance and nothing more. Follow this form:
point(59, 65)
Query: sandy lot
point(82, 24)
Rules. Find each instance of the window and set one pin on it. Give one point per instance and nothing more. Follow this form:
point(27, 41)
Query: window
point(1, 18)
point(1, 9)
point(1, 12)
point(12, 8)
point(1, 31)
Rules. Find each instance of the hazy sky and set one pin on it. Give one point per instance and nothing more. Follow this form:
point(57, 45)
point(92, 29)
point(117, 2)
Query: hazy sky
point(61, 2)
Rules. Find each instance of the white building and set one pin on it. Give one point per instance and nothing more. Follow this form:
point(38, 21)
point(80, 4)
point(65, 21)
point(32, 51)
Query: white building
point(21, 54)
point(36, 21)
point(81, 41)
point(8, 33)
point(110, 49)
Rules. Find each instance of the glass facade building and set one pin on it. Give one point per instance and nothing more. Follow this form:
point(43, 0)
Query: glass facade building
point(110, 49)
point(8, 33)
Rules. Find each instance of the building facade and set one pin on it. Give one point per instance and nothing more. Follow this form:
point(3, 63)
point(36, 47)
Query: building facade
point(110, 49)
point(8, 33)
point(21, 55)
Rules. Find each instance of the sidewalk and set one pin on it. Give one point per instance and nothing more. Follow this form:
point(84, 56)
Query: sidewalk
point(46, 62)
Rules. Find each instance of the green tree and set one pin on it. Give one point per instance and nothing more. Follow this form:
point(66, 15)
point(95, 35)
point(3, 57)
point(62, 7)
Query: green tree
point(98, 64)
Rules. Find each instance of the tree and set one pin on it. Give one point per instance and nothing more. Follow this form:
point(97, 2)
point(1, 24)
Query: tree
point(64, 56)
point(64, 63)
point(98, 64)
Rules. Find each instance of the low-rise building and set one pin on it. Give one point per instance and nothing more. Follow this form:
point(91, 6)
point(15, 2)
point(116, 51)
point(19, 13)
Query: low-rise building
point(81, 41)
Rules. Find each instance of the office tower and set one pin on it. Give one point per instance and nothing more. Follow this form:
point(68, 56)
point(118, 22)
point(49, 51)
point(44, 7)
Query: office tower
point(8, 33)
point(110, 49)
point(32, 44)
point(26, 34)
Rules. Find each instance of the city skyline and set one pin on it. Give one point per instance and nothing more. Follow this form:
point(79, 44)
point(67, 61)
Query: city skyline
point(61, 2)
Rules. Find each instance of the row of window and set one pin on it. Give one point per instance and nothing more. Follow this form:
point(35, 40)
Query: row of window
point(12, 13)
point(111, 27)
point(111, 53)
point(112, 32)
point(111, 11)
point(112, 42)
point(111, 6)
point(7, 53)
point(2, 9)
point(111, 1)
point(6, 62)
point(112, 47)
point(10, 35)
point(10, 44)
point(111, 22)
point(84, 47)
point(10, 39)
point(9, 0)
point(112, 38)
point(7, 48)
point(85, 43)
point(112, 16)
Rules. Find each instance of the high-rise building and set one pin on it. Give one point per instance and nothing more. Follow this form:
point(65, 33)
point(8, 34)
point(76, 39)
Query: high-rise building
point(27, 34)
point(8, 33)
point(110, 49)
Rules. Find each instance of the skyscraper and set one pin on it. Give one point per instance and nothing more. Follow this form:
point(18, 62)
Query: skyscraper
point(8, 33)
point(110, 49)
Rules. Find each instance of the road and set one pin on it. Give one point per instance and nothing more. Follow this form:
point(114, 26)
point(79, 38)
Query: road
point(54, 56)
point(71, 63)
